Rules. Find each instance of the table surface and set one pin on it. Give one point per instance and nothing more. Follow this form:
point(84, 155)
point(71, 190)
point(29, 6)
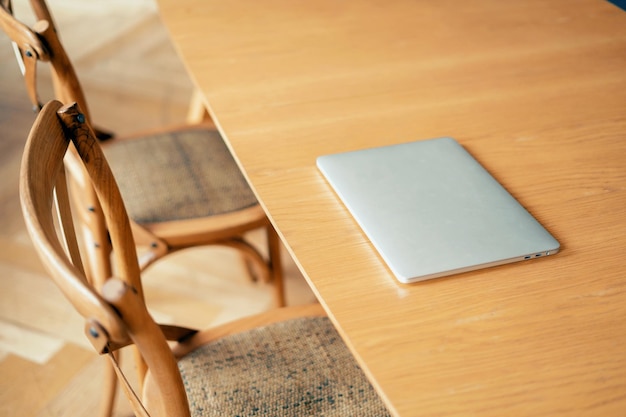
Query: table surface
point(535, 90)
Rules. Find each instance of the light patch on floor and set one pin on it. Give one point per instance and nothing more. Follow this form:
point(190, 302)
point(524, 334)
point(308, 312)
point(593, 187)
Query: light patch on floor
point(33, 346)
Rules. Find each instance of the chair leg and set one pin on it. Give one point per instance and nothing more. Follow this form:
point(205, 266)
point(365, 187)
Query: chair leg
point(256, 266)
point(197, 113)
point(259, 269)
point(109, 389)
point(276, 266)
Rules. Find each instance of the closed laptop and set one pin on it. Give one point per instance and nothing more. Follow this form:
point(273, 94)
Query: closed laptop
point(431, 210)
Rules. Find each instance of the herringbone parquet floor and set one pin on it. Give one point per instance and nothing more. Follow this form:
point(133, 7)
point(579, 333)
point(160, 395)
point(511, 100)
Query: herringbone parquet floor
point(133, 79)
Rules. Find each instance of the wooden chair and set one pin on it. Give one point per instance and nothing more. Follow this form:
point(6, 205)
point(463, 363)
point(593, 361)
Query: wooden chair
point(182, 186)
point(288, 361)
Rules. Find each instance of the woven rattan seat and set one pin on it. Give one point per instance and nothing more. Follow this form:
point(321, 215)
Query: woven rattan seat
point(293, 368)
point(178, 175)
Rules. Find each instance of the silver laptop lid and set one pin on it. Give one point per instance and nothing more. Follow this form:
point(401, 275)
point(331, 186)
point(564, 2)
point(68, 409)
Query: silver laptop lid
point(430, 209)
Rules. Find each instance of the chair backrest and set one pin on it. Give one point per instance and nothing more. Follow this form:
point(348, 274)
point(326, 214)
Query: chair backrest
point(41, 43)
point(115, 312)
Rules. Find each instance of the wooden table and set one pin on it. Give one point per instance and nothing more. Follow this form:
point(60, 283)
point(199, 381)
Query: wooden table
point(535, 90)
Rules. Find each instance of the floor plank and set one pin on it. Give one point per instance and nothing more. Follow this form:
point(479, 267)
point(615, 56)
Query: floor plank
point(26, 387)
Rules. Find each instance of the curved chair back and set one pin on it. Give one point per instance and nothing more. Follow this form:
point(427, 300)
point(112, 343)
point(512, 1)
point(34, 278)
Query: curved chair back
point(115, 311)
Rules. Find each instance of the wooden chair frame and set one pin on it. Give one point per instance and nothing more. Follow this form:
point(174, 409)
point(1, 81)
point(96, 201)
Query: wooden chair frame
point(41, 43)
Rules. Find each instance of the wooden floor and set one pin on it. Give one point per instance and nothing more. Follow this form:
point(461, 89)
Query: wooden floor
point(133, 79)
